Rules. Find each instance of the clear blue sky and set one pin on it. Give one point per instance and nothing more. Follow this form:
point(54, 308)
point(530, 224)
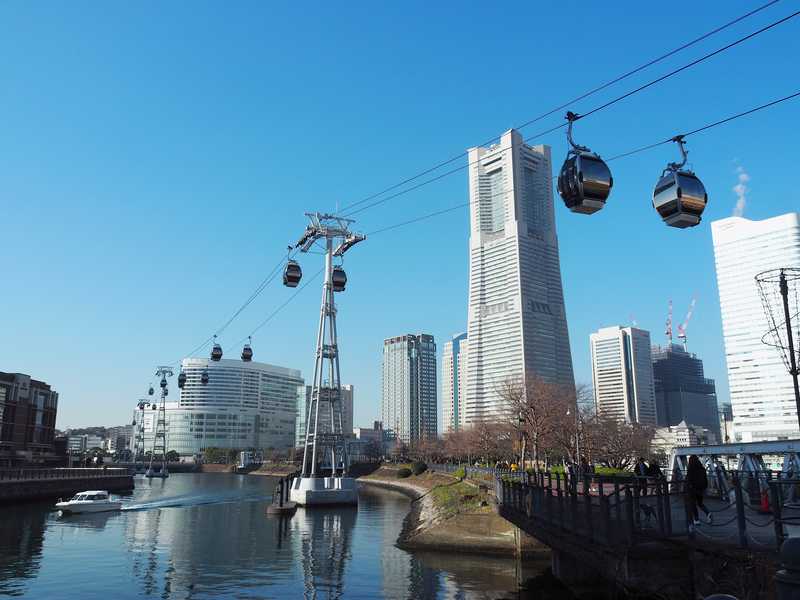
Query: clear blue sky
point(156, 158)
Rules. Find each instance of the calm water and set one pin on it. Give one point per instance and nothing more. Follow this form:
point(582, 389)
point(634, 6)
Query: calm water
point(207, 536)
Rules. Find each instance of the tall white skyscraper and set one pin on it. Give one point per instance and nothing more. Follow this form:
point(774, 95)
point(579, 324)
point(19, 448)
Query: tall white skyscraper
point(517, 324)
point(761, 388)
point(622, 374)
point(408, 400)
point(454, 384)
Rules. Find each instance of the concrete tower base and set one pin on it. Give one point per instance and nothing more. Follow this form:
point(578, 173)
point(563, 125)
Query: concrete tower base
point(319, 491)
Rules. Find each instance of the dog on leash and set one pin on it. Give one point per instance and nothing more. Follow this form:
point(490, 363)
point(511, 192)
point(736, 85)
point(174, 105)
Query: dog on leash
point(648, 511)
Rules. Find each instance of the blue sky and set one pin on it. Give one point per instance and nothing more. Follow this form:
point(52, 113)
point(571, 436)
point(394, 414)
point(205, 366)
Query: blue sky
point(155, 160)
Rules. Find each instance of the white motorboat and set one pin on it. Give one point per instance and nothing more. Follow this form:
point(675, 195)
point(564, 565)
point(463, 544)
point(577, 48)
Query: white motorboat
point(89, 502)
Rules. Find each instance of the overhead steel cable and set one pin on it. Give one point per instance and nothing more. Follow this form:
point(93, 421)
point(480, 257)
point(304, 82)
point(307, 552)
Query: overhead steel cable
point(282, 306)
point(443, 211)
point(618, 156)
point(603, 106)
point(255, 294)
point(691, 64)
point(583, 96)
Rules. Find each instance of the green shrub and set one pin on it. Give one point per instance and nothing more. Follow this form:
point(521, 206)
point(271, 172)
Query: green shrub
point(460, 473)
point(418, 468)
point(403, 473)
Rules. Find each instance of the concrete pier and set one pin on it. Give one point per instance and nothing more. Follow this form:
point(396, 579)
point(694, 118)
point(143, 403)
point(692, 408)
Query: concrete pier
point(41, 484)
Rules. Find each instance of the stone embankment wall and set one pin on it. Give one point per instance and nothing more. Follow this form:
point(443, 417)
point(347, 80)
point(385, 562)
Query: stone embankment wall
point(43, 489)
point(431, 527)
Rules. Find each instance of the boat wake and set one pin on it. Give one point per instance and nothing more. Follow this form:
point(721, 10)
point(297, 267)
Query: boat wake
point(188, 501)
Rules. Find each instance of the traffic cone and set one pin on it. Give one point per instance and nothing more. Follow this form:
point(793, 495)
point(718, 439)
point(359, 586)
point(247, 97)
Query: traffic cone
point(764, 507)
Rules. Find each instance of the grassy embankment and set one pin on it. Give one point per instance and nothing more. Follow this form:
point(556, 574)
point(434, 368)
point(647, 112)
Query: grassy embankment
point(450, 493)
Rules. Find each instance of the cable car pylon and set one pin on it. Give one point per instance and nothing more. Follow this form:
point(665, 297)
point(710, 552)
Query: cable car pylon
point(325, 447)
point(159, 453)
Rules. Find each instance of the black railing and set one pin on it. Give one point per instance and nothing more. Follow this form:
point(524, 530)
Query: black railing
point(752, 511)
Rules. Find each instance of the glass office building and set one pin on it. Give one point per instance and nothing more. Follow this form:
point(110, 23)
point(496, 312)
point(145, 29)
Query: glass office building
point(244, 405)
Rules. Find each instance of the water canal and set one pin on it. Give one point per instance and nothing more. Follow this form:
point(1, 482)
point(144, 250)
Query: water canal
point(206, 535)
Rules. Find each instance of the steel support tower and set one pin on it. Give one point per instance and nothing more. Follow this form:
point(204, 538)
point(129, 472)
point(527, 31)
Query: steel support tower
point(159, 453)
point(325, 440)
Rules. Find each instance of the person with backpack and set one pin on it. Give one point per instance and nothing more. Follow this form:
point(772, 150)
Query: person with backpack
point(696, 485)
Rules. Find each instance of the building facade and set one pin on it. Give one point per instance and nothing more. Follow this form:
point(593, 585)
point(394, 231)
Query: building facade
point(454, 384)
point(682, 391)
point(244, 405)
point(324, 416)
point(762, 395)
point(622, 374)
point(28, 410)
point(680, 435)
point(517, 323)
point(408, 398)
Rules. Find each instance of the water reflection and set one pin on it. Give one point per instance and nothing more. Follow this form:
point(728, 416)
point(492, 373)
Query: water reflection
point(87, 520)
point(324, 536)
point(21, 535)
point(208, 536)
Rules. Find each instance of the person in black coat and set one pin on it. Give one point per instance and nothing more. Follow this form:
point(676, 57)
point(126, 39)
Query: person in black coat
point(696, 484)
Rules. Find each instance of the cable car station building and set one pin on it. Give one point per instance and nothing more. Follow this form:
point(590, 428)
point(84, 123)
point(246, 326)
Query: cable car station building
point(244, 405)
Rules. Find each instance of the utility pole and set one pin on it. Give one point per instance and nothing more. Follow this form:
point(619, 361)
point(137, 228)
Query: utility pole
point(784, 288)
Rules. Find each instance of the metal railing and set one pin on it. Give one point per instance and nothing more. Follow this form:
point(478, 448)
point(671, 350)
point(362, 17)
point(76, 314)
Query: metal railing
point(18, 475)
point(749, 512)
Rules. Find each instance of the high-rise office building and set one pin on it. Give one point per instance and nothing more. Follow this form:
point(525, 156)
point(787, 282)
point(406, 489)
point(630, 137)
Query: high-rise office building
point(454, 383)
point(682, 391)
point(324, 415)
point(622, 374)
point(762, 395)
point(244, 405)
point(517, 324)
point(408, 400)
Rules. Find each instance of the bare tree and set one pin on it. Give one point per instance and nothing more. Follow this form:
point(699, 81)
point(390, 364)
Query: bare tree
point(535, 409)
point(616, 443)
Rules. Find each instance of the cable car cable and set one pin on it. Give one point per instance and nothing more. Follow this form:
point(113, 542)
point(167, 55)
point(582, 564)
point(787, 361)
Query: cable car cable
point(691, 64)
point(618, 156)
point(260, 288)
point(569, 103)
point(350, 213)
point(466, 204)
point(282, 306)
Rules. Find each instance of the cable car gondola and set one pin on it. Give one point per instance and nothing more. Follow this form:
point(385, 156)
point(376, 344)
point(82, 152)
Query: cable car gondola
point(216, 351)
point(247, 351)
point(338, 279)
point(151, 391)
point(181, 380)
point(292, 273)
point(204, 378)
point(679, 196)
point(585, 181)
point(163, 383)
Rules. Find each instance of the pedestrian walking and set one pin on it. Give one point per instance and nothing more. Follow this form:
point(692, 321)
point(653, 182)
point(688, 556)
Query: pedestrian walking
point(696, 485)
point(640, 470)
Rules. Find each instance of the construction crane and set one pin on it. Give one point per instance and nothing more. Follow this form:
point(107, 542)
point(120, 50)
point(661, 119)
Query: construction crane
point(668, 325)
point(682, 327)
